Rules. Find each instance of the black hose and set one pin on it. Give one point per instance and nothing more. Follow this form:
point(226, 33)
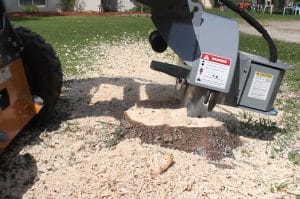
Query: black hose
point(2, 7)
point(257, 26)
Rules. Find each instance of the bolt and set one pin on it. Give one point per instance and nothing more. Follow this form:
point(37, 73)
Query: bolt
point(3, 137)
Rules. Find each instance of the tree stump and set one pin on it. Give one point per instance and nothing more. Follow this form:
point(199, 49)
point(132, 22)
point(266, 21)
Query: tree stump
point(170, 127)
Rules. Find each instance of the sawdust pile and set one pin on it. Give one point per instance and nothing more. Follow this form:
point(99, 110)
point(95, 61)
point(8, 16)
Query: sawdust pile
point(176, 118)
point(73, 160)
point(133, 170)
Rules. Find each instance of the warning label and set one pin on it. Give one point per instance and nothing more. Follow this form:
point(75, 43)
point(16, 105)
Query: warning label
point(213, 70)
point(261, 85)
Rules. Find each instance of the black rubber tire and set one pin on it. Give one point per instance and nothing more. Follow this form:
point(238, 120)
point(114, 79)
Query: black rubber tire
point(43, 71)
point(158, 44)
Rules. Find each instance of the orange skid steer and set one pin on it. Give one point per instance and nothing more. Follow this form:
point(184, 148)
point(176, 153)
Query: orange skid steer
point(30, 79)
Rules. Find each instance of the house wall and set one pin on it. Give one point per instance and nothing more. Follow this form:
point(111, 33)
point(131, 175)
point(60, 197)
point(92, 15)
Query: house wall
point(207, 3)
point(82, 5)
point(87, 5)
point(125, 5)
point(13, 6)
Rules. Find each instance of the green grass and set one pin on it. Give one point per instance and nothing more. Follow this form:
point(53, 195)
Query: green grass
point(70, 34)
point(258, 16)
point(83, 30)
point(294, 156)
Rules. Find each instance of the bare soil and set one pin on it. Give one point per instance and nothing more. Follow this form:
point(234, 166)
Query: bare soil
point(93, 150)
point(280, 30)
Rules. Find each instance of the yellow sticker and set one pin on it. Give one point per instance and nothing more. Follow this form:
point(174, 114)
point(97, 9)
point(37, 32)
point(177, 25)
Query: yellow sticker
point(261, 85)
point(265, 75)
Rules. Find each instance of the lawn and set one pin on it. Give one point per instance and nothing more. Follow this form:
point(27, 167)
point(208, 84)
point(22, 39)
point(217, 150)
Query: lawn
point(256, 15)
point(70, 34)
point(80, 30)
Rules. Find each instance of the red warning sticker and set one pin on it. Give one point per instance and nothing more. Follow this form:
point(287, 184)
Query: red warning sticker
point(213, 70)
point(216, 59)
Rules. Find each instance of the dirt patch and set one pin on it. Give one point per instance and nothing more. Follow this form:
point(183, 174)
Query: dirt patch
point(281, 30)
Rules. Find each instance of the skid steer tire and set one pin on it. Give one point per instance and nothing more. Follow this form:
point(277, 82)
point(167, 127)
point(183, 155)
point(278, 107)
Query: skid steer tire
point(43, 71)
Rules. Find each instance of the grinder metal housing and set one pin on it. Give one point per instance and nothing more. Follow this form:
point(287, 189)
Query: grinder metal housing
point(213, 70)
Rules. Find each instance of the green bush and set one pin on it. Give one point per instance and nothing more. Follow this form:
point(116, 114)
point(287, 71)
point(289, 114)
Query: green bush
point(66, 5)
point(139, 8)
point(30, 8)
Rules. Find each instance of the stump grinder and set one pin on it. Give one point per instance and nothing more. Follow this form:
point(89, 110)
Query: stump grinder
point(211, 69)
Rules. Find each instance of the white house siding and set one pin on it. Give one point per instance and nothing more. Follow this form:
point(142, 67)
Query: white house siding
point(87, 5)
point(125, 5)
point(83, 5)
point(13, 6)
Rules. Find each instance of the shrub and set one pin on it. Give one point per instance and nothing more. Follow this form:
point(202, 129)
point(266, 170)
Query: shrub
point(110, 5)
point(138, 8)
point(66, 5)
point(30, 8)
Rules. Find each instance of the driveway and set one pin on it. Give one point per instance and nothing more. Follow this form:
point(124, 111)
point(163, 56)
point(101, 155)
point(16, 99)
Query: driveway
point(281, 30)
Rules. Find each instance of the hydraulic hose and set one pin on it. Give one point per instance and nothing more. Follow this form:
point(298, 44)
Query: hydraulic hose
point(253, 22)
point(2, 7)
